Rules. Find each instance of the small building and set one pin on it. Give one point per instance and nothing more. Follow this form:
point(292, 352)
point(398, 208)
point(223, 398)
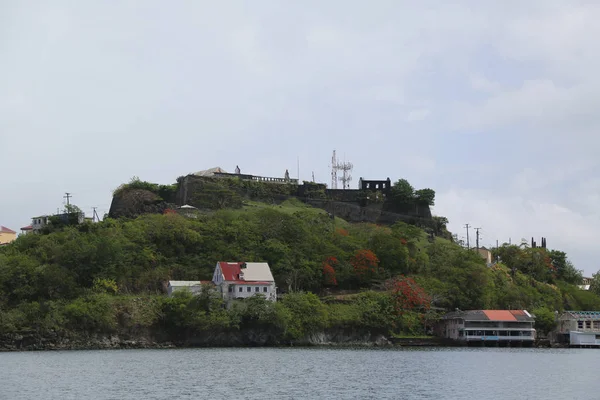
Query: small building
point(578, 329)
point(26, 229)
point(195, 287)
point(373, 185)
point(488, 326)
point(7, 235)
point(585, 283)
point(238, 280)
point(486, 254)
point(38, 223)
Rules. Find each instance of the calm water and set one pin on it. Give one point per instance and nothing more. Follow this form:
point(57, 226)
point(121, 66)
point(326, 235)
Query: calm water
point(302, 374)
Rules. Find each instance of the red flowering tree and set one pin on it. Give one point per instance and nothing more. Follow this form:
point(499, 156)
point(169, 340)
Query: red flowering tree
point(329, 271)
point(341, 232)
point(169, 211)
point(407, 295)
point(365, 264)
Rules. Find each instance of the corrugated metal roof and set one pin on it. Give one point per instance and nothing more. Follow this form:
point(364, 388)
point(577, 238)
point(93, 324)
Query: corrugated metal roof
point(491, 315)
point(499, 315)
point(587, 315)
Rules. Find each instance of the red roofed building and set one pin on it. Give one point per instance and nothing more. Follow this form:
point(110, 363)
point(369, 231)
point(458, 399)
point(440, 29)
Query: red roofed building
point(488, 326)
point(239, 280)
point(7, 235)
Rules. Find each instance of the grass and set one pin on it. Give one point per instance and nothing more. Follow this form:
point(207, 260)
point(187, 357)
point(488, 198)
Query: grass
point(292, 206)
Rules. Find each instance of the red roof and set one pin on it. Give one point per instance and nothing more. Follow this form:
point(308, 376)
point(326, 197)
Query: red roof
point(251, 282)
point(499, 315)
point(27, 228)
point(4, 229)
point(231, 271)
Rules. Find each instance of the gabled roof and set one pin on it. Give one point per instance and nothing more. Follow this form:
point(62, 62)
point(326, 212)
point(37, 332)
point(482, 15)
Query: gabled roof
point(4, 229)
point(491, 315)
point(246, 272)
point(589, 315)
point(210, 172)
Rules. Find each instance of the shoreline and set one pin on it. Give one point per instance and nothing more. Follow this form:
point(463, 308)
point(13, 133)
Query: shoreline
point(19, 343)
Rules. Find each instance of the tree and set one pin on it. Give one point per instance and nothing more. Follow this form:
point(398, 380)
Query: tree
point(595, 283)
point(426, 196)
point(365, 264)
point(403, 192)
point(329, 271)
point(545, 320)
point(407, 295)
point(565, 270)
point(439, 224)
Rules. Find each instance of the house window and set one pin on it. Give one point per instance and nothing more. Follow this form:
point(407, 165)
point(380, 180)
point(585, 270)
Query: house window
point(249, 289)
point(265, 289)
point(579, 324)
point(588, 324)
point(257, 289)
point(241, 288)
point(230, 289)
point(596, 324)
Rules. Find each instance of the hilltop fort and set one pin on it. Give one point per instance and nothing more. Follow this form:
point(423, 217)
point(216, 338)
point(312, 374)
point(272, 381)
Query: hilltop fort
point(372, 201)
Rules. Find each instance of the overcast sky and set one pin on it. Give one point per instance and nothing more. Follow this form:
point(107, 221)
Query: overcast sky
point(491, 103)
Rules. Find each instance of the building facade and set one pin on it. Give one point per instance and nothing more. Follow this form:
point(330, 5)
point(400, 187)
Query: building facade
point(488, 326)
point(578, 328)
point(7, 235)
point(239, 280)
point(486, 254)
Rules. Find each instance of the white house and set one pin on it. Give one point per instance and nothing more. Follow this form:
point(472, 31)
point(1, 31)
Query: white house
point(238, 280)
point(194, 287)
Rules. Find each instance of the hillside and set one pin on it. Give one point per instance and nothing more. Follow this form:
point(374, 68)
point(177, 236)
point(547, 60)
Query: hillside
point(345, 280)
point(230, 191)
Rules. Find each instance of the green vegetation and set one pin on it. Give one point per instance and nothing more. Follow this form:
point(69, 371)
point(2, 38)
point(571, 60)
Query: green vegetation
point(403, 194)
point(110, 276)
point(165, 192)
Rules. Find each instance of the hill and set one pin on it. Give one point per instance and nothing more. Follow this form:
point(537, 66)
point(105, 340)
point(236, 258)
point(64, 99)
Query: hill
point(219, 190)
point(340, 281)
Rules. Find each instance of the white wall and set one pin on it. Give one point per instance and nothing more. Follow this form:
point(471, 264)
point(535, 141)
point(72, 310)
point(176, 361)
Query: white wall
point(270, 294)
point(584, 338)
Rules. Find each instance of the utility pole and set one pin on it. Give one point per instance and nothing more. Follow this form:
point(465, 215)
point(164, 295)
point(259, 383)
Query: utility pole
point(467, 226)
point(477, 237)
point(67, 196)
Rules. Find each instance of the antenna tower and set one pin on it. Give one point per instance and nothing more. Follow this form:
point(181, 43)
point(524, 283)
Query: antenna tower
point(334, 171)
point(346, 168)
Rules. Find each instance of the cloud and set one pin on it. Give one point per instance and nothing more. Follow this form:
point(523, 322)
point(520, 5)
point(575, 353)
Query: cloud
point(417, 115)
point(492, 104)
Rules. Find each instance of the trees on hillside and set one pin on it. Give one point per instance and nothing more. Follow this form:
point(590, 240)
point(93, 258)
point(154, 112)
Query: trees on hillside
point(403, 194)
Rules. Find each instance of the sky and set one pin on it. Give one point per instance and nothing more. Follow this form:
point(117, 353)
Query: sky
point(491, 104)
